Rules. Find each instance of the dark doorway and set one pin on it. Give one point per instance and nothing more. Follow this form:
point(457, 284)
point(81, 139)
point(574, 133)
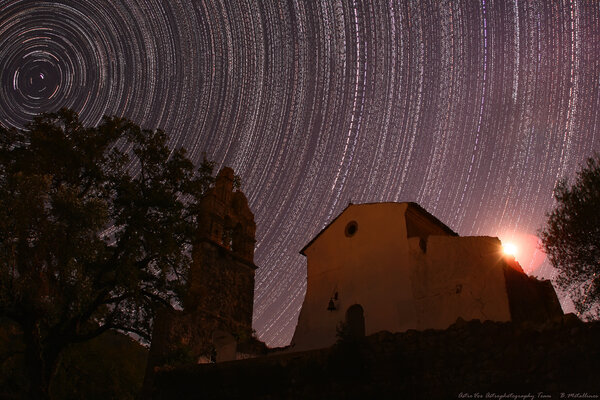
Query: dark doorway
point(355, 321)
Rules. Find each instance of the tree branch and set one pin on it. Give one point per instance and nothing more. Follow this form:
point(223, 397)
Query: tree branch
point(156, 298)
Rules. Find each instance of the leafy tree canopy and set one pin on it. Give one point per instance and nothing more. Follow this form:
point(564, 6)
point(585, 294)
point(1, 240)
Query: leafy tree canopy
point(571, 238)
point(87, 245)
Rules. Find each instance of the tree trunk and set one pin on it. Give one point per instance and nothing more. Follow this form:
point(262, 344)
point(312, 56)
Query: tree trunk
point(40, 362)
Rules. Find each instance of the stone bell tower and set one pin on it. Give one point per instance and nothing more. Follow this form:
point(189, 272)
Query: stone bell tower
point(221, 280)
point(217, 310)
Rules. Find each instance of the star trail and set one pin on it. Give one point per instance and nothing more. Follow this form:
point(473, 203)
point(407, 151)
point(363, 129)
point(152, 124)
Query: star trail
point(474, 109)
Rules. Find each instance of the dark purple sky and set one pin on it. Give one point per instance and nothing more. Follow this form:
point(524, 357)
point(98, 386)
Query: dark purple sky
point(474, 109)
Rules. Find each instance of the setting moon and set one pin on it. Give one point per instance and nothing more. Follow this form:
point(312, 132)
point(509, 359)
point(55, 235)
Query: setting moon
point(509, 249)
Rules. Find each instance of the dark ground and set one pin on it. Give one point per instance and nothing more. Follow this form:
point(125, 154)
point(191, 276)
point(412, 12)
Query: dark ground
point(488, 360)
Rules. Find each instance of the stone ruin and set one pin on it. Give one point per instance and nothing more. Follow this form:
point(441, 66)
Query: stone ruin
point(216, 321)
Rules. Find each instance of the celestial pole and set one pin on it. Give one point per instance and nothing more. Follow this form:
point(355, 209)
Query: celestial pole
point(473, 109)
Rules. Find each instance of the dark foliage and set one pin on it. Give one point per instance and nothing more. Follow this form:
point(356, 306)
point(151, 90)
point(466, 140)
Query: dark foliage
point(85, 244)
point(571, 238)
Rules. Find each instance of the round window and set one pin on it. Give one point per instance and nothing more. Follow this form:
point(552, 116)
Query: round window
point(351, 228)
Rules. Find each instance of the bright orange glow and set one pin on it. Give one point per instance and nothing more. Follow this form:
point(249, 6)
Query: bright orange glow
point(527, 250)
point(509, 249)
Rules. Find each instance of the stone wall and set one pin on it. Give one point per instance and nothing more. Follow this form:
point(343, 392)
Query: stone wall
point(530, 299)
point(467, 360)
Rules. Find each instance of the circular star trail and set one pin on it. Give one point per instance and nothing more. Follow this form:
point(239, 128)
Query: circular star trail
point(474, 109)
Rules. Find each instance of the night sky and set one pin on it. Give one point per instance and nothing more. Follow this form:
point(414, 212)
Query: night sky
point(473, 109)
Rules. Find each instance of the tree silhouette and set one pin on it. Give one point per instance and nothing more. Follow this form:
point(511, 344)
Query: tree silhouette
point(87, 245)
point(571, 238)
